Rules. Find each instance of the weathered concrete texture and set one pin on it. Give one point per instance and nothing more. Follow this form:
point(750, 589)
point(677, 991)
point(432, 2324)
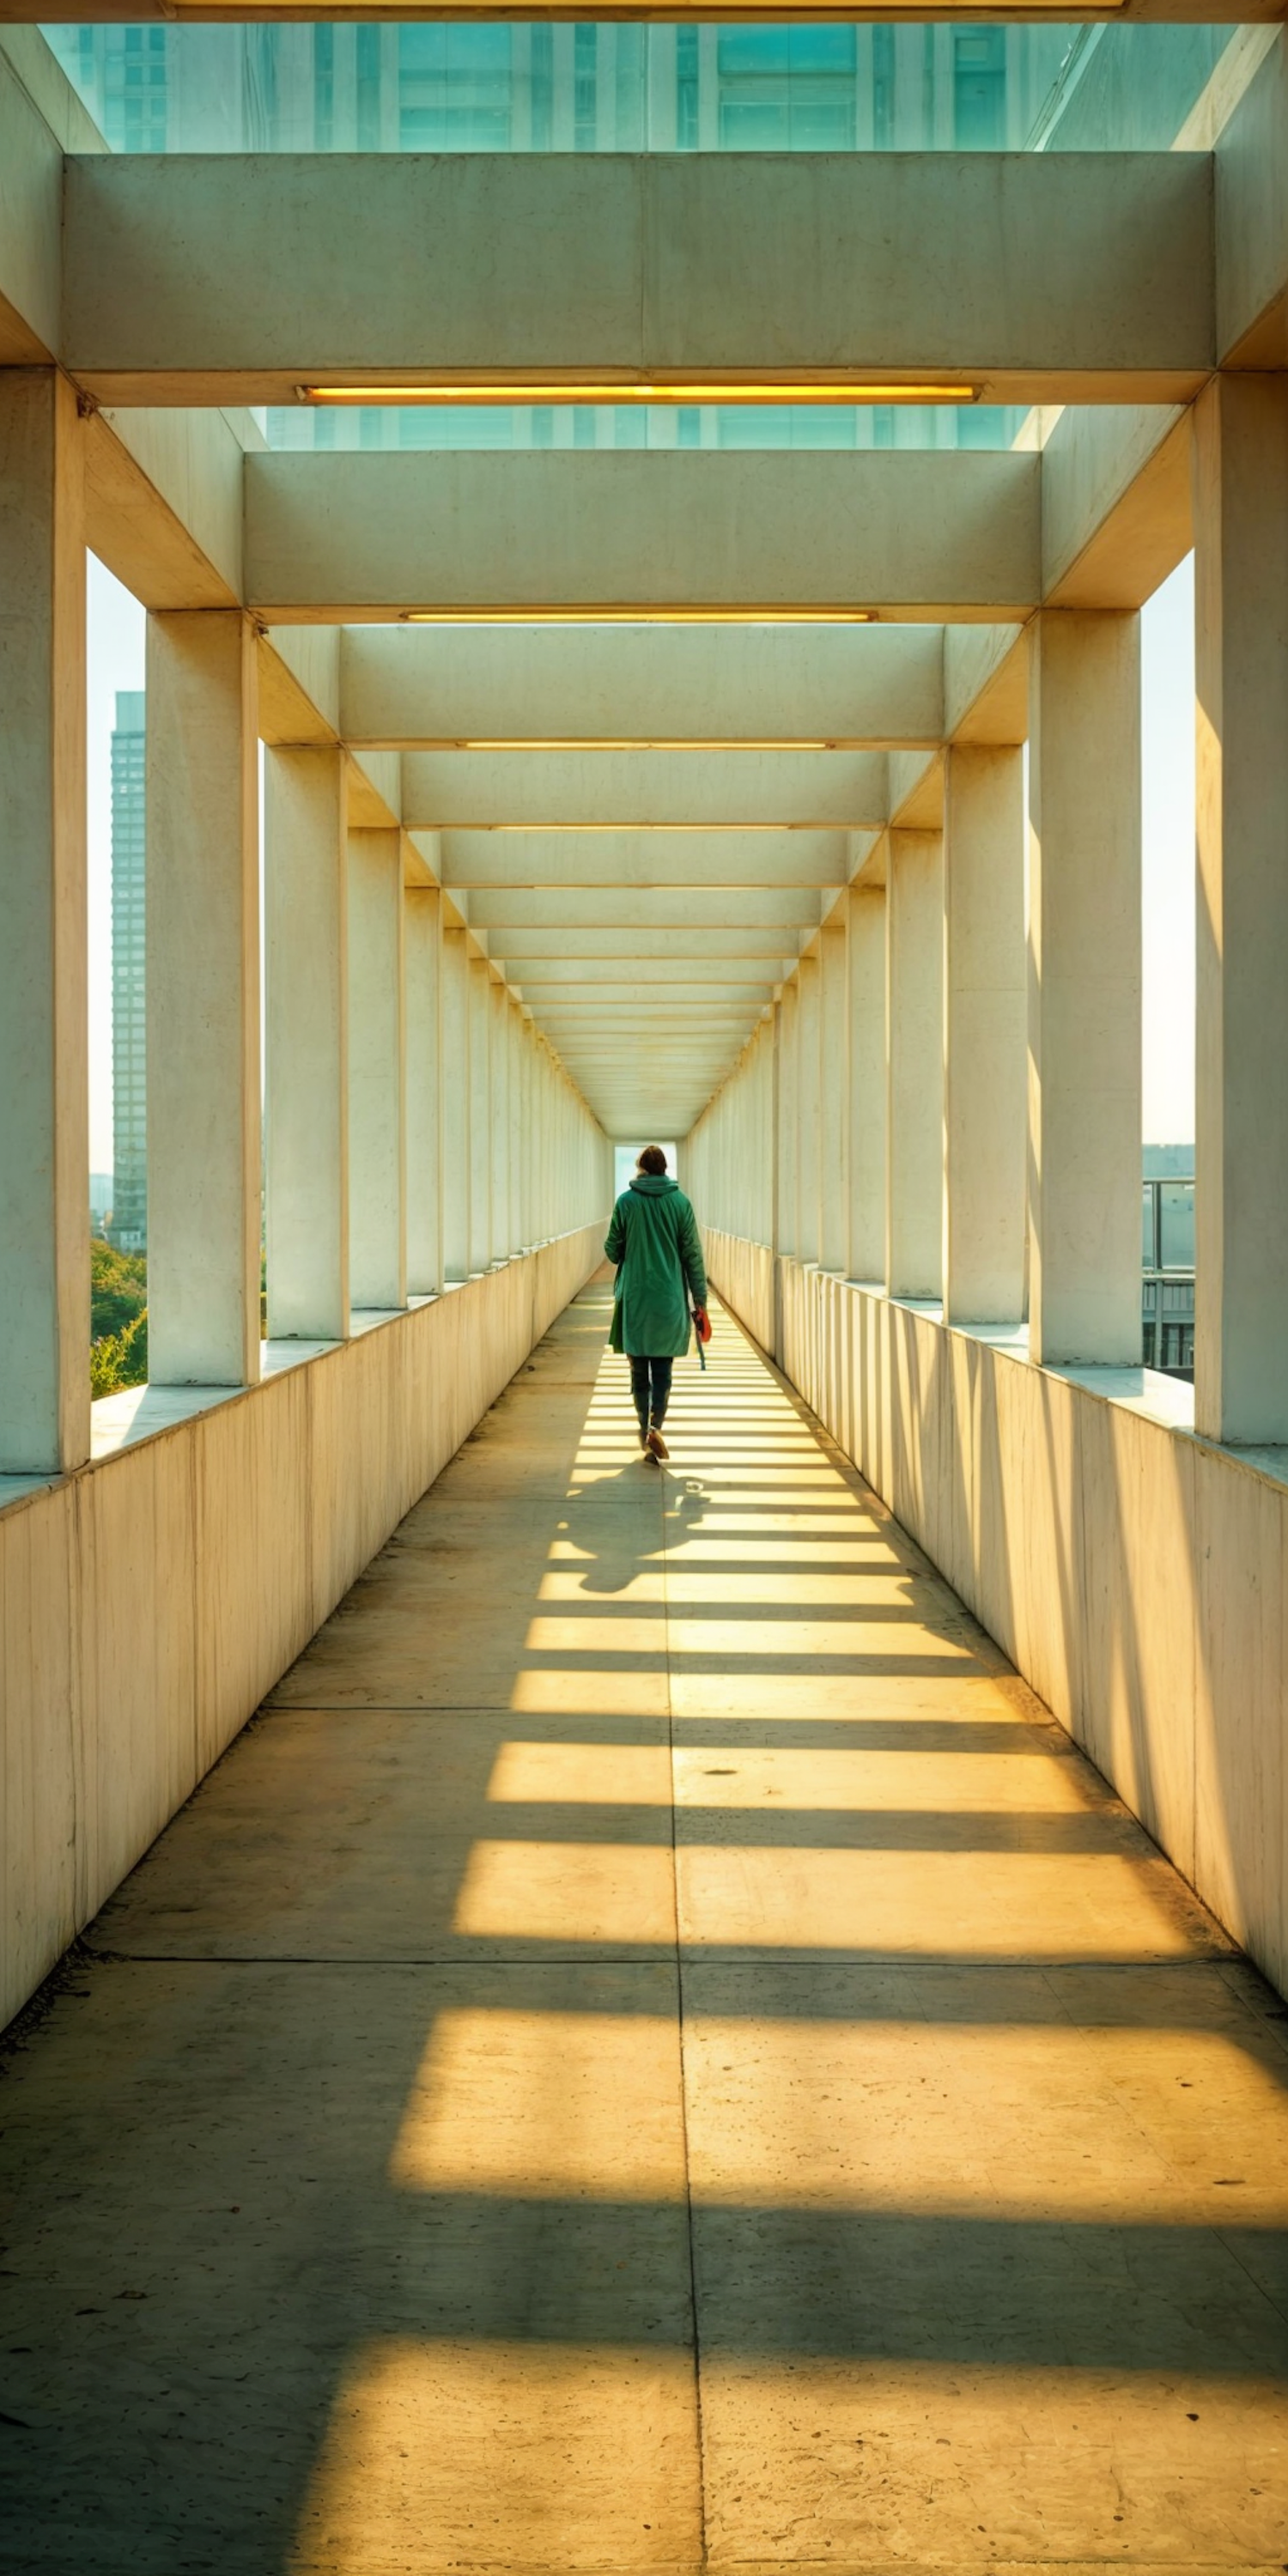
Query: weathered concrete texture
point(148, 1603)
point(1134, 1572)
point(655, 2053)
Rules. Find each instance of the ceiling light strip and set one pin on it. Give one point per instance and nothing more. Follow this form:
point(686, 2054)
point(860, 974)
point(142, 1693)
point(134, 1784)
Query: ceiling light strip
point(638, 613)
point(741, 391)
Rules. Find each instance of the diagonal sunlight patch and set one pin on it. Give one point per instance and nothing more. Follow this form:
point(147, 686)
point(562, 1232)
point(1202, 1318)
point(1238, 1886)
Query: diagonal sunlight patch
point(884, 1645)
point(1041, 2124)
point(974, 2465)
point(604, 1634)
point(782, 1587)
point(501, 2455)
point(590, 1892)
point(1036, 2124)
point(590, 1775)
point(590, 1690)
point(546, 2106)
point(968, 1905)
point(859, 1783)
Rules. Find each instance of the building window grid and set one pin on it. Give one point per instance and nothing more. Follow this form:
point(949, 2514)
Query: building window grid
point(1167, 1291)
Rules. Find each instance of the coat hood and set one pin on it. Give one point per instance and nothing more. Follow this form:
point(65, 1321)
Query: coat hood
point(654, 1185)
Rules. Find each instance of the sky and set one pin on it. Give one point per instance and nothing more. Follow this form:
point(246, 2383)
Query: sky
point(116, 651)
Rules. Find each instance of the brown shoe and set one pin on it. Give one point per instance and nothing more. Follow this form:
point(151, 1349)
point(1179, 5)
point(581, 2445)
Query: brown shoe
point(656, 1444)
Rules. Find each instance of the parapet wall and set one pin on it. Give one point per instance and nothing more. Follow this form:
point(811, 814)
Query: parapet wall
point(1135, 1575)
point(148, 1602)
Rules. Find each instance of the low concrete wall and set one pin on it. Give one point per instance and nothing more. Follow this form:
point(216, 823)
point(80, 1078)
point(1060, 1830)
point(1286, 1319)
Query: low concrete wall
point(1136, 1576)
point(149, 1602)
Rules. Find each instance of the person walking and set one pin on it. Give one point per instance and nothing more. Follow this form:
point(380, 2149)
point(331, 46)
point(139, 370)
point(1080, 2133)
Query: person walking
point(654, 1240)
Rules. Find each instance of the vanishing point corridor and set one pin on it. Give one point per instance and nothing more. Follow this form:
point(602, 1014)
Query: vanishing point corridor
point(654, 2051)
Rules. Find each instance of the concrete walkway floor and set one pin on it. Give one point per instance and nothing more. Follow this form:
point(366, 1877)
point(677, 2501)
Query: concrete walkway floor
point(652, 2052)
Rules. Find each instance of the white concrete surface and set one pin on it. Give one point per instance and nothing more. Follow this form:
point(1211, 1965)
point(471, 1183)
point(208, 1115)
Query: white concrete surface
point(915, 1064)
point(1085, 988)
point(866, 1251)
point(909, 533)
point(479, 1076)
point(1134, 1573)
point(985, 1035)
point(44, 1075)
point(306, 1044)
point(152, 1599)
point(424, 1102)
point(377, 1072)
point(1241, 1197)
point(203, 1000)
point(834, 1092)
point(473, 791)
point(456, 1116)
point(413, 687)
point(1044, 273)
point(808, 1088)
point(771, 857)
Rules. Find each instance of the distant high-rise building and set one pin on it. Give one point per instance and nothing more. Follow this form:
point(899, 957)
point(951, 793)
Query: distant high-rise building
point(129, 1227)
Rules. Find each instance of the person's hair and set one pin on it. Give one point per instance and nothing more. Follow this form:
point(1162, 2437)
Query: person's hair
point(652, 1160)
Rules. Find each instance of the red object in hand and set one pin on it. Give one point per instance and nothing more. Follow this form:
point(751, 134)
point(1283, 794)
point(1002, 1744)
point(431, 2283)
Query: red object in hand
point(703, 1322)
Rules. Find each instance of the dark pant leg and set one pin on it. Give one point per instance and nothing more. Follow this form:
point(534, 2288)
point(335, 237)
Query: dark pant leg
point(661, 1390)
point(639, 1389)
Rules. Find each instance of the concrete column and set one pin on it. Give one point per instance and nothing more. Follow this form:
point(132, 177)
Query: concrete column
point(866, 1256)
point(44, 1079)
point(306, 1045)
point(915, 1064)
point(423, 948)
point(524, 1126)
point(203, 999)
point(834, 1094)
point(1084, 988)
point(500, 1069)
point(807, 1110)
point(788, 1067)
point(456, 1104)
point(537, 1140)
point(985, 1036)
point(1241, 1168)
point(513, 1122)
point(480, 1051)
point(377, 1072)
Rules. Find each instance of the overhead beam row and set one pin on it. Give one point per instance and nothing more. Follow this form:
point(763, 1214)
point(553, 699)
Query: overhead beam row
point(1027, 277)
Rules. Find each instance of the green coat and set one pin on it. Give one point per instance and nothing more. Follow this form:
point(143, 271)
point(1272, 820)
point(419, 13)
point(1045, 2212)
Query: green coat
point(655, 1241)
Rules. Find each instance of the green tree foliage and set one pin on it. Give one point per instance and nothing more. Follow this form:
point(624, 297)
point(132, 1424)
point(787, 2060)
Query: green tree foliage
point(118, 1287)
point(118, 1318)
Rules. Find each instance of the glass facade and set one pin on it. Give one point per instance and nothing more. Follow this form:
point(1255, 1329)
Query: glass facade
point(1167, 1304)
point(129, 1226)
point(485, 87)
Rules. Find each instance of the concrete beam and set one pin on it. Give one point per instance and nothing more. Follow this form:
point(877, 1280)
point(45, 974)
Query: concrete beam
point(551, 791)
point(909, 534)
point(610, 859)
point(1116, 516)
point(679, 950)
point(619, 908)
point(550, 1001)
point(986, 697)
point(1251, 224)
point(423, 687)
point(164, 503)
point(685, 977)
point(31, 161)
point(1038, 277)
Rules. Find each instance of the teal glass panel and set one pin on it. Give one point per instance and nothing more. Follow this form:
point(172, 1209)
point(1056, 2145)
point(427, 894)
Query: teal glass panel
point(488, 87)
point(1176, 1224)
